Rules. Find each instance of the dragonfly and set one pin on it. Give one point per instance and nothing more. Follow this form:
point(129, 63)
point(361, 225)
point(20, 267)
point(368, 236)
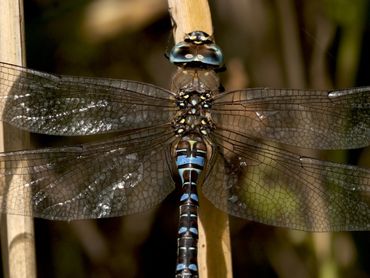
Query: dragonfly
point(230, 144)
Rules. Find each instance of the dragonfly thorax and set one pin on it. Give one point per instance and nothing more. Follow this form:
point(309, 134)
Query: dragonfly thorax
point(194, 101)
point(194, 114)
point(195, 91)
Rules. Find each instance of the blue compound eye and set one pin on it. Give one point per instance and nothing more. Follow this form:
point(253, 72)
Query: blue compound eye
point(197, 50)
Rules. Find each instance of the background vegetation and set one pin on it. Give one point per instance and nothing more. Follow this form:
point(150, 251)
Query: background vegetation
point(277, 43)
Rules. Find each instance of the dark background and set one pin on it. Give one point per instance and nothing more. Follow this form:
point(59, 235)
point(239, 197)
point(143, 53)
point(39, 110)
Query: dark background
point(277, 43)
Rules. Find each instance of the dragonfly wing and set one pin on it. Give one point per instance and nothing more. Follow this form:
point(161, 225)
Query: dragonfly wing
point(125, 175)
point(310, 119)
point(263, 183)
point(66, 105)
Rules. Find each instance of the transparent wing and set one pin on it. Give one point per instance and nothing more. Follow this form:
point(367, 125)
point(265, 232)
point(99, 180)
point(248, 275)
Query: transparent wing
point(263, 183)
point(311, 119)
point(66, 105)
point(125, 175)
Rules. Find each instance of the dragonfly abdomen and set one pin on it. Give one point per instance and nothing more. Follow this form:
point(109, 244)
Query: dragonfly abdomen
point(191, 153)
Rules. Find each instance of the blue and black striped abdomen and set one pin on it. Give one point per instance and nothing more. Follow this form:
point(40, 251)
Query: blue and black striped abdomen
point(191, 154)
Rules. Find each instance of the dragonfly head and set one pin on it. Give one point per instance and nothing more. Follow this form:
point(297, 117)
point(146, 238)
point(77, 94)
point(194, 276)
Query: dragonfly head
point(198, 50)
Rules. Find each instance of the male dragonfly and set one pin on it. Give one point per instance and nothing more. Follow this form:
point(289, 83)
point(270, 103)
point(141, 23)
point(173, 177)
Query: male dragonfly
point(193, 134)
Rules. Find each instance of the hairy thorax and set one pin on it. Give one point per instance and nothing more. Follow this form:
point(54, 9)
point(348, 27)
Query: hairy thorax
point(195, 90)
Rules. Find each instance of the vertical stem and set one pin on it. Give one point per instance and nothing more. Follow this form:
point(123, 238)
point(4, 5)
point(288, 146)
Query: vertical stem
point(349, 51)
point(214, 256)
point(292, 52)
point(17, 233)
point(297, 78)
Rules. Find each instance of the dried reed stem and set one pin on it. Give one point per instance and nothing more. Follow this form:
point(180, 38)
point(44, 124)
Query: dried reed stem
point(17, 234)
